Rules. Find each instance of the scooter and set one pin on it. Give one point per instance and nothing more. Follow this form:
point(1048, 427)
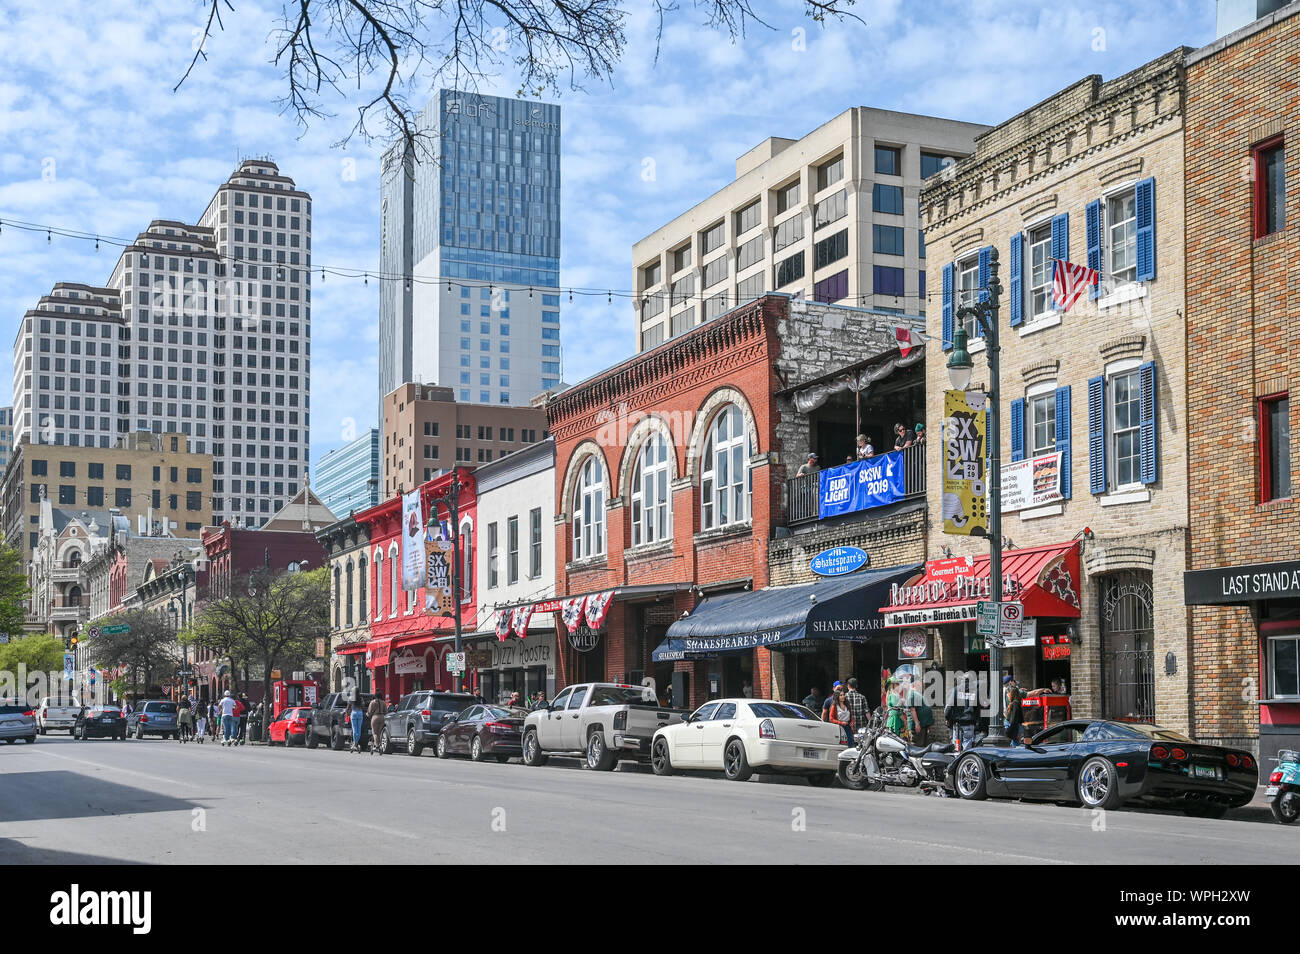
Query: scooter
point(878, 758)
point(1283, 792)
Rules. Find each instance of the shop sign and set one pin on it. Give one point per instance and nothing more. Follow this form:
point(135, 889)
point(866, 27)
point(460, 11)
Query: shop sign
point(913, 644)
point(515, 653)
point(478, 658)
point(408, 664)
point(803, 647)
point(965, 491)
point(976, 644)
point(1057, 647)
point(584, 639)
point(839, 560)
point(309, 694)
point(1031, 483)
point(320, 647)
point(1240, 584)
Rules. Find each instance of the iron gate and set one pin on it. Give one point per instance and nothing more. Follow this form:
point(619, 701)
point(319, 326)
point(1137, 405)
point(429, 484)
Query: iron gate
point(1128, 679)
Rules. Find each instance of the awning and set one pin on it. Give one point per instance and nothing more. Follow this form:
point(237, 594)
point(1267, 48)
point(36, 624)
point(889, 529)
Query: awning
point(835, 608)
point(350, 649)
point(377, 651)
point(1045, 579)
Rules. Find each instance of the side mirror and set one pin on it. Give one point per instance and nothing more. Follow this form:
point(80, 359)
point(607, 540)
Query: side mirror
point(449, 716)
point(686, 719)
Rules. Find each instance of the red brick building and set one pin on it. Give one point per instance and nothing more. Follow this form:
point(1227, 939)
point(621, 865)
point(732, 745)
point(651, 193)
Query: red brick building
point(1243, 229)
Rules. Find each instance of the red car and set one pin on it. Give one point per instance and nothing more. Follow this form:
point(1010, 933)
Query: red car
point(289, 727)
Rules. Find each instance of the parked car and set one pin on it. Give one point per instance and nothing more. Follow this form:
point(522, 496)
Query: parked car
point(741, 736)
point(481, 731)
point(154, 717)
point(604, 721)
point(417, 718)
point(289, 727)
point(17, 721)
point(100, 722)
point(51, 714)
point(328, 721)
point(1103, 764)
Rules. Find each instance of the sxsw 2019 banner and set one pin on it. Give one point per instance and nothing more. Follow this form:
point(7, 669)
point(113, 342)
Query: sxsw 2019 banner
point(439, 599)
point(861, 485)
point(965, 459)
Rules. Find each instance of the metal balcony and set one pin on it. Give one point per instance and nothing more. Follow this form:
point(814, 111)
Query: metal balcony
point(803, 494)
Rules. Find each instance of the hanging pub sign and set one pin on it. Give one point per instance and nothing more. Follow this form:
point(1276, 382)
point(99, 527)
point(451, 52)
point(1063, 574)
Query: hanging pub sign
point(584, 639)
point(913, 643)
point(439, 600)
point(965, 456)
point(839, 560)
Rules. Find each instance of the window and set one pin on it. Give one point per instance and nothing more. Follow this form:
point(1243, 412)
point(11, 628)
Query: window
point(1121, 238)
point(681, 258)
point(887, 281)
point(787, 197)
point(535, 543)
point(40, 468)
point(652, 274)
point(1041, 426)
point(589, 508)
point(714, 272)
point(1270, 188)
point(493, 555)
point(193, 500)
point(682, 289)
point(787, 233)
point(831, 249)
point(932, 162)
point(1124, 422)
point(362, 580)
point(789, 270)
point(1275, 448)
point(714, 237)
point(512, 550)
point(889, 161)
point(67, 468)
point(651, 516)
point(1040, 271)
point(123, 471)
point(831, 209)
point(1122, 435)
point(122, 497)
point(887, 199)
point(829, 173)
point(96, 471)
point(726, 481)
point(379, 581)
point(887, 239)
point(747, 218)
point(652, 337)
point(832, 289)
point(968, 288)
point(749, 289)
point(1283, 666)
point(750, 253)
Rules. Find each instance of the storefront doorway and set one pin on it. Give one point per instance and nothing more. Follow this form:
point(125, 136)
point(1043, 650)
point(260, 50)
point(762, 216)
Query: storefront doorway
point(1128, 648)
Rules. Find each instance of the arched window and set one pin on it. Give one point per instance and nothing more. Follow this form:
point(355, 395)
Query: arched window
point(349, 615)
point(589, 510)
point(725, 481)
point(362, 579)
point(338, 603)
point(651, 506)
point(379, 585)
point(395, 579)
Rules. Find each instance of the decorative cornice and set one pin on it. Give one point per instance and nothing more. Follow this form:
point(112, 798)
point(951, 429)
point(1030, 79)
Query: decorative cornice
point(968, 239)
point(1038, 205)
point(1041, 371)
point(1128, 169)
point(1125, 346)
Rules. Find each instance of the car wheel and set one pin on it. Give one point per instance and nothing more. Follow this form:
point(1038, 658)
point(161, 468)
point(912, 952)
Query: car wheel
point(821, 780)
point(475, 750)
point(533, 754)
point(139, 733)
point(441, 748)
point(735, 764)
point(599, 757)
point(1098, 784)
point(309, 738)
point(1286, 807)
point(971, 778)
point(413, 745)
point(661, 761)
point(41, 730)
point(336, 739)
point(385, 743)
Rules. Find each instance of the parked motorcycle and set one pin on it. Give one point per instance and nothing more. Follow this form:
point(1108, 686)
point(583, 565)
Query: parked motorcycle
point(1283, 792)
point(878, 758)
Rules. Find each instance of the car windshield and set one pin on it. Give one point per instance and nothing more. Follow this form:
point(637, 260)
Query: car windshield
point(5, 710)
point(504, 712)
point(1158, 733)
point(780, 710)
point(620, 696)
point(448, 703)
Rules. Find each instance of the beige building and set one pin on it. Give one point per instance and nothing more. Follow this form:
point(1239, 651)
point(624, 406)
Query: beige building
point(347, 545)
point(151, 479)
point(426, 432)
point(833, 216)
point(1092, 175)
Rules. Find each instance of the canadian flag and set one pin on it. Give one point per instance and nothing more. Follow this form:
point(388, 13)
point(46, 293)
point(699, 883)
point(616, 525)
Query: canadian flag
point(904, 338)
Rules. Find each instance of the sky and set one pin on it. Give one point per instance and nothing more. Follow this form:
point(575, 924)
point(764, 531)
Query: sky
point(93, 137)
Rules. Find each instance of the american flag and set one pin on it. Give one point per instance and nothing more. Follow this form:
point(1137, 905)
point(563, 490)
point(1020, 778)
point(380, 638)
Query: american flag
point(1069, 281)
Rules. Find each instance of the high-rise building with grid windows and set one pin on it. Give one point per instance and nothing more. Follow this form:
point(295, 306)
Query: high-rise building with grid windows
point(472, 214)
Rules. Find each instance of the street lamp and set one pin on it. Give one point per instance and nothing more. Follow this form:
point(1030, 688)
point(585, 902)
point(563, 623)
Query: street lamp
point(985, 313)
point(451, 500)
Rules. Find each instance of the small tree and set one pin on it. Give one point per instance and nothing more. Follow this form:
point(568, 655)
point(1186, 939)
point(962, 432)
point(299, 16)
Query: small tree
point(272, 622)
point(13, 591)
point(148, 647)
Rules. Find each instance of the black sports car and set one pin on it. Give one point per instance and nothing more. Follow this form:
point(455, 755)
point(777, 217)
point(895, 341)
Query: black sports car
point(1104, 764)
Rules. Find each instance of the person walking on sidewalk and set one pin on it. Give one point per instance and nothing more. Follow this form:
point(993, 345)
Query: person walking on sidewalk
point(185, 723)
point(355, 718)
point(229, 724)
point(376, 712)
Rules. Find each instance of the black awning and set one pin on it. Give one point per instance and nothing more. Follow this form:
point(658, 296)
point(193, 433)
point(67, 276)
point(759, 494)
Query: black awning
point(844, 608)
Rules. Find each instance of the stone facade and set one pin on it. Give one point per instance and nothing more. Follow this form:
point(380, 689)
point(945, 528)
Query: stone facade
point(1035, 176)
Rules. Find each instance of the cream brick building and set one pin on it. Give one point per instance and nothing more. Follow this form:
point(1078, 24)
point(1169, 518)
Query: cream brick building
point(1092, 175)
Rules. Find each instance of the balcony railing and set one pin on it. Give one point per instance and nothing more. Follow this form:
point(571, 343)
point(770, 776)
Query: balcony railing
point(803, 494)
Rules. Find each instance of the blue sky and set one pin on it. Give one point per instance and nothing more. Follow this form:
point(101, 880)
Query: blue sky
point(93, 138)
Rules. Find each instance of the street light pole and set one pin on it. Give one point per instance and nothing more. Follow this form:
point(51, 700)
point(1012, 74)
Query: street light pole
point(452, 501)
point(985, 313)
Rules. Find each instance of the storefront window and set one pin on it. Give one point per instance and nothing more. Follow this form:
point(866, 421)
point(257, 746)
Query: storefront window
point(1284, 666)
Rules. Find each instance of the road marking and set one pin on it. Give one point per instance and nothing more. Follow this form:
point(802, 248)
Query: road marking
point(114, 768)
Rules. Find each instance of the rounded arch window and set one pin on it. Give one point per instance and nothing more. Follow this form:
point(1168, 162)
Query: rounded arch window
point(726, 484)
point(651, 505)
point(589, 510)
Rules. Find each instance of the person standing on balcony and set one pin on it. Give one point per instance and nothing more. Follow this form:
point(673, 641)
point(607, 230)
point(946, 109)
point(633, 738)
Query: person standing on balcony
point(810, 467)
point(865, 449)
point(920, 434)
point(902, 437)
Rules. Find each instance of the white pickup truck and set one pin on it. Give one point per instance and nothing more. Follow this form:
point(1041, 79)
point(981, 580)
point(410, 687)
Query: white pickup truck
point(604, 721)
point(51, 714)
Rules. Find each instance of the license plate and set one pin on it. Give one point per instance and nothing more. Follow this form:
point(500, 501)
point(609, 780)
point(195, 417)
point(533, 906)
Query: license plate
point(1272, 790)
point(812, 753)
point(1204, 771)
point(108, 719)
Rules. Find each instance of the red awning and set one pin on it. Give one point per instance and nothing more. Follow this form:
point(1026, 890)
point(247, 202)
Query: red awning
point(1045, 579)
point(377, 652)
point(351, 649)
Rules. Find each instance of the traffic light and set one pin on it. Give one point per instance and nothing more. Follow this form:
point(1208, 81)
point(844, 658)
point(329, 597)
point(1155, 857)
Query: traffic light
point(73, 642)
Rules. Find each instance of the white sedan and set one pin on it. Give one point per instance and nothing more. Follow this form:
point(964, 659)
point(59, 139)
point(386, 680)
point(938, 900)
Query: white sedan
point(741, 736)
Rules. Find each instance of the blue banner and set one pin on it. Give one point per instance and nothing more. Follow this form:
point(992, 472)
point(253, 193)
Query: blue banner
point(861, 485)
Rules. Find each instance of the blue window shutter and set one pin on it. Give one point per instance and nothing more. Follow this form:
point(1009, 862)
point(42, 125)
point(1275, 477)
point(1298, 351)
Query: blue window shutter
point(1147, 422)
point(982, 279)
point(1017, 279)
point(1093, 215)
point(947, 306)
point(1018, 429)
point(1061, 236)
point(1063, 437)
point(1144, 201)
point(1097, 435)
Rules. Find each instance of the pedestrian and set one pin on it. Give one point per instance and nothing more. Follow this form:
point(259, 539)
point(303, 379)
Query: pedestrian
point(920, 434)
point(516, 701)
point(185, 723)
point(961, 711)
point(841, 715)
point(356, 720)
point(894, 722)
point(829, 701)
point(902, 437)
point(201, 725)
point(1013, 711)
point(229, 723)
point(244, 709)
point(865, 449)
point(214, 719)
point(809, 466)
point(376, 711)
point(922, 715)
point(859, 707)
point(541, 700)
point(814, 700)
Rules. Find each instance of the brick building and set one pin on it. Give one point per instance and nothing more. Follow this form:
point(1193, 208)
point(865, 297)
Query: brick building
point(1090, 175)
point(1243, 120)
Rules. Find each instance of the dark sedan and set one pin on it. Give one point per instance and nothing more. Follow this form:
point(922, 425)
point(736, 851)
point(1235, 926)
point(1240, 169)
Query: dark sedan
point(100, 722)
point(1102, 764)
point(418, 717)
point(483, 730)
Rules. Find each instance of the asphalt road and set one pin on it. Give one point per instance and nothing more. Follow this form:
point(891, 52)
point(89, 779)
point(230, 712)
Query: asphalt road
point(64, 801)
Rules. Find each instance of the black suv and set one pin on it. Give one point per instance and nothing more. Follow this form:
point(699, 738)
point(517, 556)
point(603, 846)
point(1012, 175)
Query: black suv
point(418, 717)
point(328, 721)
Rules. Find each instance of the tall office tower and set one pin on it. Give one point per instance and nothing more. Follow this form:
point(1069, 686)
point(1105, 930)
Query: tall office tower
point(203, 330)
point(6, 436)
point(834, 216)
point(473, 214)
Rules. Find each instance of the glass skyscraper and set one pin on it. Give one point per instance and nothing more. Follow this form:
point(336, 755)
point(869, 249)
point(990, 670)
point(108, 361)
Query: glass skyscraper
point(347, 478)
point(473, 214)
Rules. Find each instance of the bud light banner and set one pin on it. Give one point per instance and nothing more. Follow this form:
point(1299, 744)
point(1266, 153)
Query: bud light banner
point(861, 485)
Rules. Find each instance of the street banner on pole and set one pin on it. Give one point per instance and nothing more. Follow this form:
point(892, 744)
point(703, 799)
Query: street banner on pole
point(965, 456)
point(439, 599)
point(69, 665)
point(413, 551)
